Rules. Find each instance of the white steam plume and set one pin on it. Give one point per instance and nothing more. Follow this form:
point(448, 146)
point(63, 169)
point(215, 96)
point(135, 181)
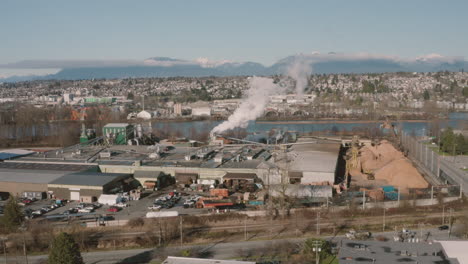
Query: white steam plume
point(254, 105)
point(258, 95)
point(299, 70)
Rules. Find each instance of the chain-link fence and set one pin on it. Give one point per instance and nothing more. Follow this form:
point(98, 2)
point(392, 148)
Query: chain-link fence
point(437, 167)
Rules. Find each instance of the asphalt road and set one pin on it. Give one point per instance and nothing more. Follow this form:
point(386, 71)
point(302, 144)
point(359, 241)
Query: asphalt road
point(219, 250)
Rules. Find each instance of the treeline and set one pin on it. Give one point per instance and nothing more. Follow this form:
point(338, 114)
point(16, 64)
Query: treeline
point(26, 125)
point(452, 143)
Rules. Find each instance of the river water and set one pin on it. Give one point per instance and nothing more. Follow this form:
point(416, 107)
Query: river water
point(456, 120)
point(188, 128)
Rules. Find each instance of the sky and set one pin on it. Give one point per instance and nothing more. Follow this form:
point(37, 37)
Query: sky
point(241, 30)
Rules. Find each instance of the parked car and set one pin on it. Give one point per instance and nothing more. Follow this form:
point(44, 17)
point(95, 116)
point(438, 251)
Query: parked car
point(85, 210)
point(114, 209)
point(189, 204)
point(89, 207)
point(443, 227)
point(121, 205)
point(26, 201)
point(154, 207)
point(72, 210)
point(46, 209)
point(37, 212)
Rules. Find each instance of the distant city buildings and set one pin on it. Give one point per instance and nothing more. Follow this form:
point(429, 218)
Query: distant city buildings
point(331, 95)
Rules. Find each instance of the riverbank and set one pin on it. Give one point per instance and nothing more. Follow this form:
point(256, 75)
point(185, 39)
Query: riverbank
point(340, 121)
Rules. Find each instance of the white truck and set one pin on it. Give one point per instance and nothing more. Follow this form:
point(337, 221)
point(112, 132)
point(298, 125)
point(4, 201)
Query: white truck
point(162, 214)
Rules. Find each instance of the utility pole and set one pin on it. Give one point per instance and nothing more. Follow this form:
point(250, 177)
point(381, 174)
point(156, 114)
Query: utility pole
point(420, 230)
point(432, 194)
point(318, 223)
point(181, 232)
point(24, 249)
point(160, 231)
point(245, 228)
point(383, 224)
point(443, 214)
point(398, 196)
point(450, 221)
point(4, 250)
point(363, 199)
point(454, 156)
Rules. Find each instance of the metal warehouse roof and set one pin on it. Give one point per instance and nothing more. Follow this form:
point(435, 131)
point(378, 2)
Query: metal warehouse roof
point(46, 166)
point(14, 153)
point(29, 176)
point(240, 176)
point(88, 178)
point(116, 125)
point(320, 157)
point(146, 174)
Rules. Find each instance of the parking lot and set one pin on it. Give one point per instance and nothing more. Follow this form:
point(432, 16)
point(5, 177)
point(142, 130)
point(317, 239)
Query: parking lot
point(132, 209)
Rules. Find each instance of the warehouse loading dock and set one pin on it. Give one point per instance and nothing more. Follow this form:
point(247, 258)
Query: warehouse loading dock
point(87, 186)
point(151, 180)
point(31, 180)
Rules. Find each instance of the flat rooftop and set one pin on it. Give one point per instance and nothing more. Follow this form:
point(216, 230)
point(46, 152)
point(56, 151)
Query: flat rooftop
point(317, 157)
point(392, 252)
point(116, 125)
point(88, 178)
point(29, 176)
point(37, 172)
point(14, 166)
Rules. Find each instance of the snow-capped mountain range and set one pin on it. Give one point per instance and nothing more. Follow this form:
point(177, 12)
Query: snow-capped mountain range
point(170, 67)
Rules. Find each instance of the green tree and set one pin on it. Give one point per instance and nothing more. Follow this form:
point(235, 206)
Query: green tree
point(13, 216)
point(368, 87)
point(426, 95)
point(64, 250)
point(447, 140)
point(461, 144)
point(465, 91)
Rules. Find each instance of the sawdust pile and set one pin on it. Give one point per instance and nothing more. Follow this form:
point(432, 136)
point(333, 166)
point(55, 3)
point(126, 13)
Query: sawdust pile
point(389, 164)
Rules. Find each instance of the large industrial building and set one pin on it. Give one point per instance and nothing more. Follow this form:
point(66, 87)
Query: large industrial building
point(88, 186)
point(308, 162)
point(118, 133)
point(32, 179)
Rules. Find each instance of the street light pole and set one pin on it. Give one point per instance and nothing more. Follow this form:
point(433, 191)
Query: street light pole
point(317, 249)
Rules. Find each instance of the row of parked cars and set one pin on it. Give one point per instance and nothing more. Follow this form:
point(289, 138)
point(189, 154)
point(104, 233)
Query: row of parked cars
point(89, 208)
point(191, 201)
point(82, 208)
point(166, 201)
point(26, 201)
point(30, 213)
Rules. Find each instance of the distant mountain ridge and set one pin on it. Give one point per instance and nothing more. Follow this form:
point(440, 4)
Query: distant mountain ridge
point(320, 63)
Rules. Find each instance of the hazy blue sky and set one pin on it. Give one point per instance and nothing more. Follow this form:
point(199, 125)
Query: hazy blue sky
point(262, 31)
